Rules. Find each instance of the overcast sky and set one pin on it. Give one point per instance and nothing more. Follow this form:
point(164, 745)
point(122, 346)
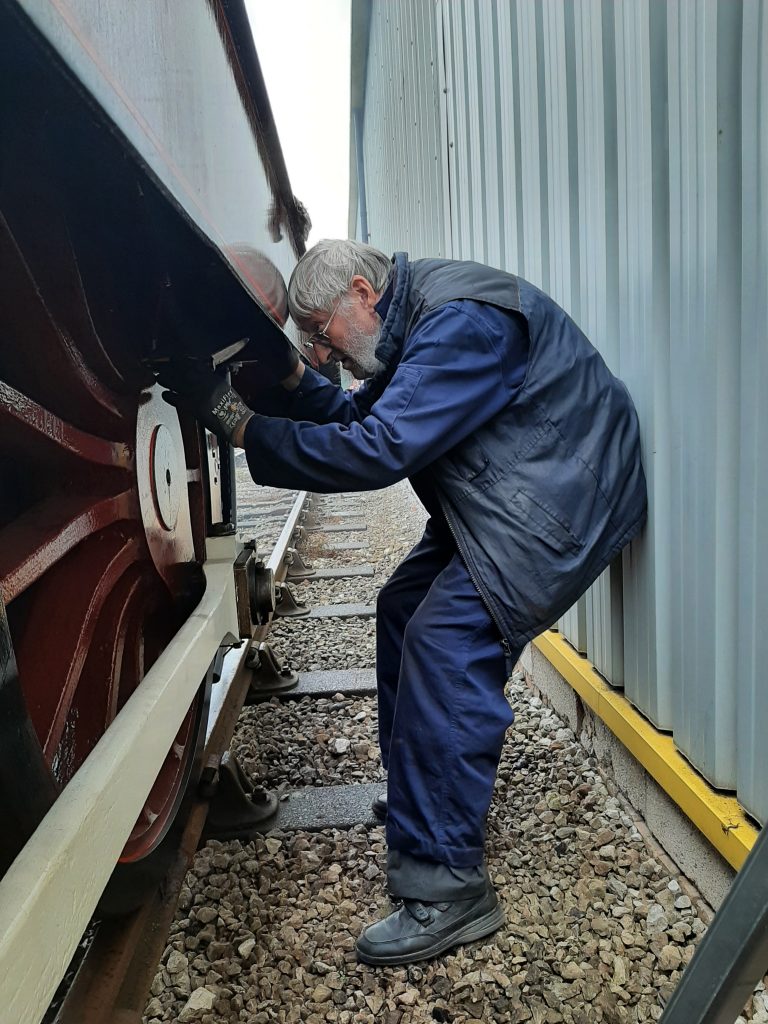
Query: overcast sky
point(303, 47)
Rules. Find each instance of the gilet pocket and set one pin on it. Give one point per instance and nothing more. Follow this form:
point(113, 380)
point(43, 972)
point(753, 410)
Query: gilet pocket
point(547, 522)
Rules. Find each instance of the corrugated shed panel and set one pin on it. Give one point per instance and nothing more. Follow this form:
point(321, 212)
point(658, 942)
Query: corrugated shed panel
point(492, 167)
point(562, 221)
point(508, 138)
point(562, 166)
point(573, 626)
point(705, 328)
point(604, 612)
point(403, 141)
point(636, 311)
point(632, 225)
point(751, 690)
point(533, 173)
point(614, 152)
point(592, 93)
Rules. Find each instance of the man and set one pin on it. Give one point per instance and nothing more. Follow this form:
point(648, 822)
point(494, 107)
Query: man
point(524, 449)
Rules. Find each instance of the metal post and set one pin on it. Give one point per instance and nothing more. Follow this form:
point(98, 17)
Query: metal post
point(361, 195)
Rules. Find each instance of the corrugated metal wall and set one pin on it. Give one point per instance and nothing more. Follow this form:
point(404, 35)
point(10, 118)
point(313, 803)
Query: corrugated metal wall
point(403, 151)
point(615, 152)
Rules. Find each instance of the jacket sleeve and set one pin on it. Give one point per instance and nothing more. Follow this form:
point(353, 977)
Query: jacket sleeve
point(453, 377)
point(315, 400)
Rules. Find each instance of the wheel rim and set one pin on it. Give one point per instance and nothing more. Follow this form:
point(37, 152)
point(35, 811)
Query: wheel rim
point(100, 522)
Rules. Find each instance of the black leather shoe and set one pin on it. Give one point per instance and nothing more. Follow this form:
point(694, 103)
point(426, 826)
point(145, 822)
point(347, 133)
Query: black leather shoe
point(379, 806)
point(418, 931)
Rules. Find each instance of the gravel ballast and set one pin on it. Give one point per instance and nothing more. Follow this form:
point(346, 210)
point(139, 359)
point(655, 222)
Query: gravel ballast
point(599, 922)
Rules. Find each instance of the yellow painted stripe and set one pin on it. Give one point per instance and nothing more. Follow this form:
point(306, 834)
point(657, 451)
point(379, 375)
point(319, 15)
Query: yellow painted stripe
point(720, 818)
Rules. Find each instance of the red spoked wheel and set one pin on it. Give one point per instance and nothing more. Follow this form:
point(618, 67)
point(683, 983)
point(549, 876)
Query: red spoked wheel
point(102, 524)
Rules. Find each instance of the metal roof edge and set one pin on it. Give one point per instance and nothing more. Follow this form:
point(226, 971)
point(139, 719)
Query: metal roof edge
point(237, 36)
point(360, 29)
point(353, 187)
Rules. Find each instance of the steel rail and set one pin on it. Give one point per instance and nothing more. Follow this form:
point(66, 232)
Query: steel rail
point(277, 559)
point(49, 894)
point(229, 693)
point(278, 563)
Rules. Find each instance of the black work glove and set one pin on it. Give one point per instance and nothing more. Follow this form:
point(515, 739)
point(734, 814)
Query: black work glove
point(255, 381)
point(206, 395)
point(283, 358)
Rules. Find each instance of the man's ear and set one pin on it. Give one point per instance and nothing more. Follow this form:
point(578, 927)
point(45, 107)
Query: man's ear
point(363, 288)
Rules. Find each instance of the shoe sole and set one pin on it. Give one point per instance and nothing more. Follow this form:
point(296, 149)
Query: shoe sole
point(471, 932)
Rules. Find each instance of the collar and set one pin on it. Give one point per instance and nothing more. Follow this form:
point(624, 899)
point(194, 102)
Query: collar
point(382, 306)
point(393, 328)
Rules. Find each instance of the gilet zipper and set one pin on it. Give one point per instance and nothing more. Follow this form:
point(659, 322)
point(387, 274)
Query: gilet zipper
point(505, 645)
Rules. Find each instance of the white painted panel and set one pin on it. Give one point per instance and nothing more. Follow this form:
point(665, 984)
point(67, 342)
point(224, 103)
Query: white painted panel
point(165, 80)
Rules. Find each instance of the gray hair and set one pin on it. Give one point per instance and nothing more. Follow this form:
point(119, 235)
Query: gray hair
point(323, 275)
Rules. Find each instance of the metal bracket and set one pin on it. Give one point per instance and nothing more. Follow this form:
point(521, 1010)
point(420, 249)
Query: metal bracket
point(254, 590)
point(225, 529)
point(229, 642)
point(308, 517)
point(270, 674)
point(299, 534)
point(299, 568)
point(287, 606)
point(238, 806)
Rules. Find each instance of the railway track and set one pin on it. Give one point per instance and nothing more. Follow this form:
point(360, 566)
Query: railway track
point(265, 929)
point(599, 922)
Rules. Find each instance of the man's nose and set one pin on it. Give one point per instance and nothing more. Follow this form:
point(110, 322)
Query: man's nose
point(323, 353)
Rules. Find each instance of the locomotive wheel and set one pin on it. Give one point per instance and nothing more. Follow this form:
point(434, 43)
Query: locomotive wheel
point(135, 879)
point(102, 521)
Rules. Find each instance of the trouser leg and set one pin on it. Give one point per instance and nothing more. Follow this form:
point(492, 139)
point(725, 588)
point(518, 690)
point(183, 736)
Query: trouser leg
point(447, 735)
point(397, 601)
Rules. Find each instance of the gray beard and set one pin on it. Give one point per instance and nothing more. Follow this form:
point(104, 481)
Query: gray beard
point(361, 352)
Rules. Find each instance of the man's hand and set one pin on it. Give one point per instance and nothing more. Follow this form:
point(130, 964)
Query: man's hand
point(208, 397)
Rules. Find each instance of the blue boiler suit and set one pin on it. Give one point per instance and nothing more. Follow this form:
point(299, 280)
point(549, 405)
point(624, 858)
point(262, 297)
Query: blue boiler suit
point(440, 664)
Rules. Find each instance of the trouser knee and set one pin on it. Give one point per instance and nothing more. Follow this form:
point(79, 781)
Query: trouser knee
point(389, 603)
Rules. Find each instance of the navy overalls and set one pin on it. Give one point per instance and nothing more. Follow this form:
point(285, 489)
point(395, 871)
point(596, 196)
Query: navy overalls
point(460, 407)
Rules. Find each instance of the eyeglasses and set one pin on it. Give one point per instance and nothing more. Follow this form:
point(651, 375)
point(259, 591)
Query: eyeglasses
point(321, 337)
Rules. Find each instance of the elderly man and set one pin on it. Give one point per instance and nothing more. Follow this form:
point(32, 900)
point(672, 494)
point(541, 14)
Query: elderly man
point(524, 450)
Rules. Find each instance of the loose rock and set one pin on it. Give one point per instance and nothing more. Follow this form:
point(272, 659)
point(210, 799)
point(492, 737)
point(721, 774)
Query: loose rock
point(266, 929)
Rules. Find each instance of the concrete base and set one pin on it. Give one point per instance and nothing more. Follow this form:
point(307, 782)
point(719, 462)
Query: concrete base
point(342, 572)
point(314, 808)
point(353, 682)
point(343, 611)
point(681, 840)
point(358, 526)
